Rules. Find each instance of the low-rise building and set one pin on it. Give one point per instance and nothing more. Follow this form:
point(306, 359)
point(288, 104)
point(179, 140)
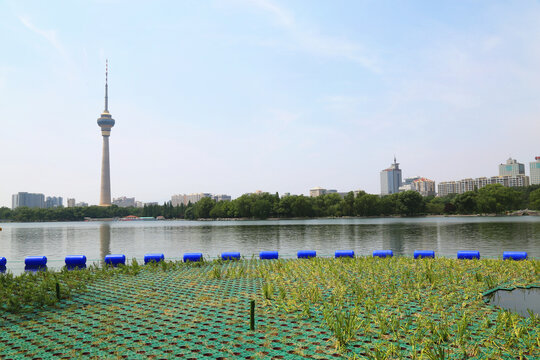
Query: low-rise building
point(317, 191)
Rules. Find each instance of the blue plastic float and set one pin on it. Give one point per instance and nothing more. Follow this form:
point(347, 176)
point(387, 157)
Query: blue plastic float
point(514, 255)
point(231, 255)
point(422, 254)
point(75, 262)
point(468, 254)
point(192, 257)
point(115, 259)
point(344, 253)
point(383, 253)
point(35, 263)
point(153, 257)
point(3, 261)
point(268, 255)
point(306, 254)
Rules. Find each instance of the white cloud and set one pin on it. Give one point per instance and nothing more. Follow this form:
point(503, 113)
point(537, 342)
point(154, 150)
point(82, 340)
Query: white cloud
point(49, 35)
point(314, 42)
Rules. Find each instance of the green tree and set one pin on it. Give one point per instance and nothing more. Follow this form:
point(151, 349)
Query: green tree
point(301, 207)
point(466, 203)
point(496, 198)
point(203, 207)
point(367, 204)
point(348, 208)
point(410, 203)
point(261, 208)
point(534, 200)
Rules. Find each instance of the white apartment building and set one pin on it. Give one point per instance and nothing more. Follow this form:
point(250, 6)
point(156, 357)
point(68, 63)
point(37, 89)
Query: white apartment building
point(511, 168)
point(535, 171)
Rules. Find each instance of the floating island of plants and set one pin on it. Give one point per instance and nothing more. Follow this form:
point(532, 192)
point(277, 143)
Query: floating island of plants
point(316, 308)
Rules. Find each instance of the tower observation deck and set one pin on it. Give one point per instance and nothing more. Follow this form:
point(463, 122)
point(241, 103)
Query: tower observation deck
point(105, 122)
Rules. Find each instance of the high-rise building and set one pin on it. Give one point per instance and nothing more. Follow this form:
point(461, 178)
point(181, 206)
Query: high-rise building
point(446, 188)
point(511, 168)
point(464, 185)
point(535, 171)
point(391, 179)
point(53, 202)
point(124, 202)
point(425, 187)
point(27, 199)
point(70, 202)
point(186, 199)
point(222, 197)
point(105, 122)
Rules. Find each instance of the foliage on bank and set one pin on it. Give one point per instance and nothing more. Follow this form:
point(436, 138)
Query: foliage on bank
point(365, 307)
point(492, 199)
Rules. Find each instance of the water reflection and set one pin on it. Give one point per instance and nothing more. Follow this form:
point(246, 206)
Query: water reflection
point(521, 301)
point(104, 240)
point(490, 236)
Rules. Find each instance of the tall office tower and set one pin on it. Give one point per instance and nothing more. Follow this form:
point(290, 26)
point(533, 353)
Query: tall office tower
point(535, 171)
point(27, 199)
point(53, 202)
point(105, 122)
point(391, 179)
point(511, 168)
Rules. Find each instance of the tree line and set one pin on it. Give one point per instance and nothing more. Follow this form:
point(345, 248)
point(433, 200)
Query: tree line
point(492, 199)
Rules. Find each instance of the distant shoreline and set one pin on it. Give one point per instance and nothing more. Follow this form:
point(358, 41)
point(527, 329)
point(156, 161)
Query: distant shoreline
point(513, 214)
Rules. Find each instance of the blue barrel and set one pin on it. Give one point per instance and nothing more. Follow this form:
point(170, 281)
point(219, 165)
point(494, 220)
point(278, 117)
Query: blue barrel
point(153, 257)
point(306, 254)
point(192, 257)
point(268, 255)
point(383, 253)
point(35, 261)
point(514, 255)
point(468, 254)
point(75, 262)
point(344, 253)
point(231, 255)
point(3, 261)
point(115, 259)
point(424, 254)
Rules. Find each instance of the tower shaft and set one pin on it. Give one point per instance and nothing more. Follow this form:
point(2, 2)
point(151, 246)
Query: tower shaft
point(105, 122)
point(105, 194)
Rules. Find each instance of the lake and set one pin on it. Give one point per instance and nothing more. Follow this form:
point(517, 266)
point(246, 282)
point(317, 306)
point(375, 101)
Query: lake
point(446, 235)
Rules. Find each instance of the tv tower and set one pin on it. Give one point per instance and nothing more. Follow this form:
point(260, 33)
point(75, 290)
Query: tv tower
point(105, 122)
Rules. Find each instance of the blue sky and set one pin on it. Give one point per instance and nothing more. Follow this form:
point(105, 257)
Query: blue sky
point(233, 96)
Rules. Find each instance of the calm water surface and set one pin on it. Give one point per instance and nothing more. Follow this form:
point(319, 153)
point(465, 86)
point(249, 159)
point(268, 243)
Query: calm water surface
point(446, 235)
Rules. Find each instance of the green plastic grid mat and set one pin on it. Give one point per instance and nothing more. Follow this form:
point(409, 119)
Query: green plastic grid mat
point(317, 308)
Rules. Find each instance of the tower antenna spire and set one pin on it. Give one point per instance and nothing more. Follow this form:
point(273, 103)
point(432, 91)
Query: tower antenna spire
point(106, 85)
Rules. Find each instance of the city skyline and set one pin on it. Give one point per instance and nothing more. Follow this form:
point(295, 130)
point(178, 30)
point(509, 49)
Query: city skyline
point(232, 96)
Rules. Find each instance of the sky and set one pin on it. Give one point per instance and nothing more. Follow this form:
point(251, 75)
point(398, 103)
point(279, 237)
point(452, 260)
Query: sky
point(234, 96)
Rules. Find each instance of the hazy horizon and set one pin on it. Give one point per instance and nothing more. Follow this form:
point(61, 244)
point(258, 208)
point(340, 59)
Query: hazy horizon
point(234, 96)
